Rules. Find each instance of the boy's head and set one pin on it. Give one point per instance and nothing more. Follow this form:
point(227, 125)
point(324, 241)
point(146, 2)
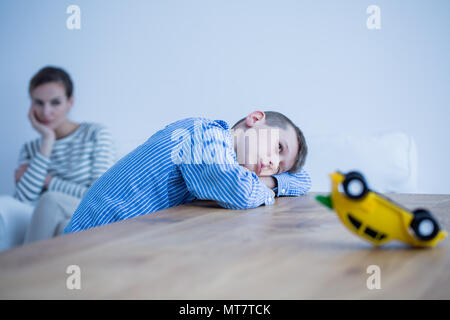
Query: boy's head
point(269, 143)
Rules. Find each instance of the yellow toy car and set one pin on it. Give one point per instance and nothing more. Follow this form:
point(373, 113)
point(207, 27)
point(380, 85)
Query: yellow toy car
point(377, 218)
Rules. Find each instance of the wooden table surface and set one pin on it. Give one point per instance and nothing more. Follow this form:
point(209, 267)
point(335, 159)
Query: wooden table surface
point(295, 249)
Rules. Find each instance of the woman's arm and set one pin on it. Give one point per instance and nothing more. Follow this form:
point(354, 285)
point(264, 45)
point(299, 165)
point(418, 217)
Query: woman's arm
point(31, 175)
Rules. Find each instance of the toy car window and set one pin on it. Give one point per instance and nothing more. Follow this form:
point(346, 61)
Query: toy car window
point(370, 232)
point(355, 222)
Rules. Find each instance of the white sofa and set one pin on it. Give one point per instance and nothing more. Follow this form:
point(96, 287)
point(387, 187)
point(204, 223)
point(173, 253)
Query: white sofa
point(387, 160)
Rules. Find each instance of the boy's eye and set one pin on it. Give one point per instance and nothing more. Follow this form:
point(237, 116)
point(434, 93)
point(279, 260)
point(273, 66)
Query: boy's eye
point(39, 103)
point(55, 102)
point(280, 147)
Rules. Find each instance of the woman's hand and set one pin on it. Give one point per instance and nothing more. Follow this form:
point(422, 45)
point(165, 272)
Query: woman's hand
point(20, 171)
point(45, 131)
point(48, 134)
point(48, 179)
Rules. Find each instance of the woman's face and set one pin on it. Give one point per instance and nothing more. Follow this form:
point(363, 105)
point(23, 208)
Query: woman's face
point(51, 104)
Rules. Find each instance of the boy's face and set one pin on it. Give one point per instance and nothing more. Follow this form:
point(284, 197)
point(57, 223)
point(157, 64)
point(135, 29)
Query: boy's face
point(263, 149)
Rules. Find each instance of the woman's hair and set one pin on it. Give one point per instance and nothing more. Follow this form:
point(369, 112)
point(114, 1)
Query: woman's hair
point(52, 74)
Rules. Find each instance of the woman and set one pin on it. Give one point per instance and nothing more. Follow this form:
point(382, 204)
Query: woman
point(56, 169)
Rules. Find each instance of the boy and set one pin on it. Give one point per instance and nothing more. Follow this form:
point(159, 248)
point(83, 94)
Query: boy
point(197, 158)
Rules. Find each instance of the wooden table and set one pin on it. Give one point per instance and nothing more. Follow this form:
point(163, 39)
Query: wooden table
point(296, 249)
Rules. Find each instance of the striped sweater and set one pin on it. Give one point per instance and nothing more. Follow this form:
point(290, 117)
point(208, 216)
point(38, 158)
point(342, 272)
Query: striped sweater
point(76, 161)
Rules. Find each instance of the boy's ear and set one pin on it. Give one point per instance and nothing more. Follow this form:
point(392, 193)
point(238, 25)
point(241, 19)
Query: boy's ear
point(255, 117)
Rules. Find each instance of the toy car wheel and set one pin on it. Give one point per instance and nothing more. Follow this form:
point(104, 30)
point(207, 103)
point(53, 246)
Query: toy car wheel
point(355, 186)
point(424, 225)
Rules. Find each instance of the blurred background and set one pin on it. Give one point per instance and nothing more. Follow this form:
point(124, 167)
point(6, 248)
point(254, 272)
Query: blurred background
point(376, 100)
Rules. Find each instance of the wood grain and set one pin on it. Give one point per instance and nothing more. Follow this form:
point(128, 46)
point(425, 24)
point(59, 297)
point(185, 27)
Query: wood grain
point(295, 249)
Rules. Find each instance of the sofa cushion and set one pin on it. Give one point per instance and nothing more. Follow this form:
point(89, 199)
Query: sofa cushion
point(387, 160)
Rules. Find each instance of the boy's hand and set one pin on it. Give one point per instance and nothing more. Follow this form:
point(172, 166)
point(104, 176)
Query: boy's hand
point(270, 182)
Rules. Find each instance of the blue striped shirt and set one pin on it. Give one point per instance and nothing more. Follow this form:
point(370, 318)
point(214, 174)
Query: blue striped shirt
point(189, 159)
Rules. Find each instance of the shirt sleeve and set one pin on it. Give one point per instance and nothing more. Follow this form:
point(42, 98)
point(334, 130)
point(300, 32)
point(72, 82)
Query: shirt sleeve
point(232, 186)
point(30, 185)
point(293, 184)
point(212, 173)
point(103, 158)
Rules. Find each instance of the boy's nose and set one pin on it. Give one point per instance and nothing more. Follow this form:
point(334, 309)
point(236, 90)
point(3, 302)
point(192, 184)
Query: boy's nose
point(270, 162)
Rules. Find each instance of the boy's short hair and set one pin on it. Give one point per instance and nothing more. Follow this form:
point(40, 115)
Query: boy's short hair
point(52, 74)
point(279, 120)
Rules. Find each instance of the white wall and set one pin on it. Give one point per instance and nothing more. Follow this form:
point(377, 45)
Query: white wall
point(138, 65)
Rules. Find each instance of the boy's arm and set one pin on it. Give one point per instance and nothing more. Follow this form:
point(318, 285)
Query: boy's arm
point(231, 185)
point(211, 172)
point(292, 184)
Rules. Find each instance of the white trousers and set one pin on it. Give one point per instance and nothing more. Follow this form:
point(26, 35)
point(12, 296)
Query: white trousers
point(23, 223)
point(15, 217)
